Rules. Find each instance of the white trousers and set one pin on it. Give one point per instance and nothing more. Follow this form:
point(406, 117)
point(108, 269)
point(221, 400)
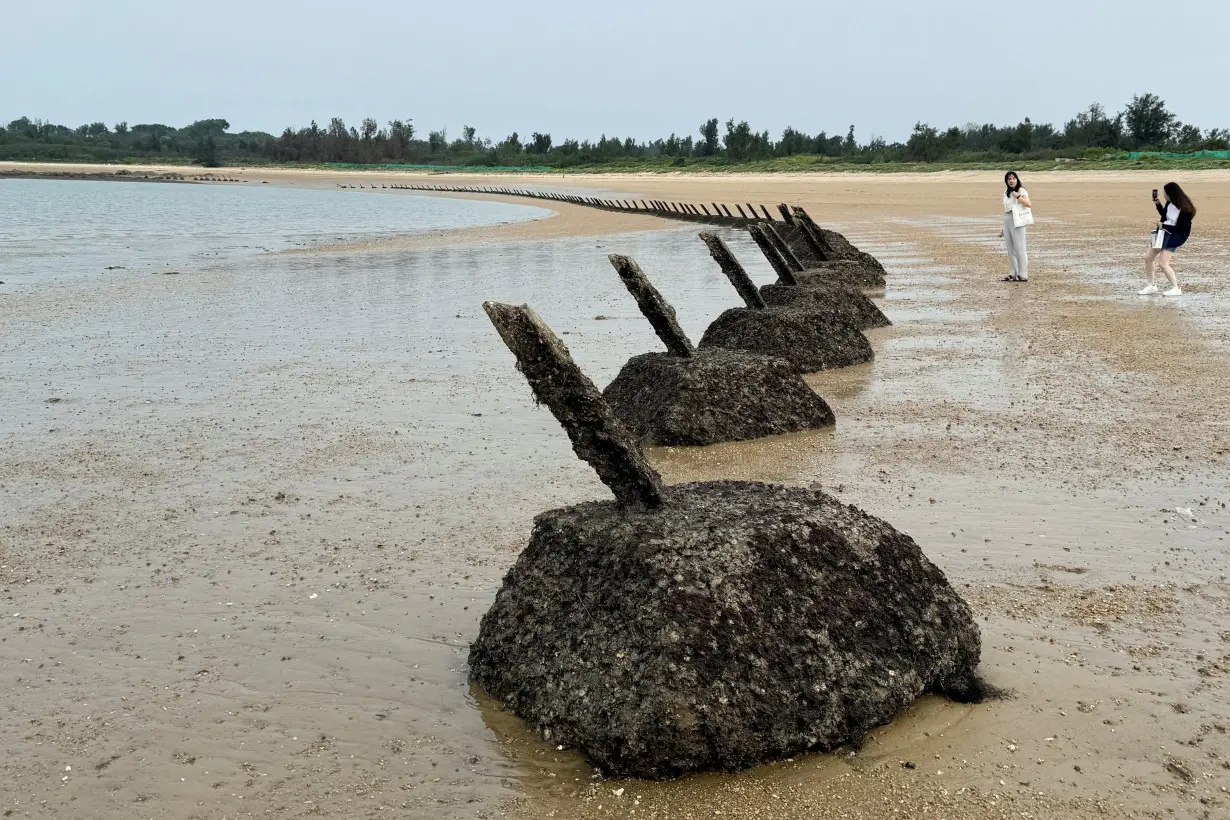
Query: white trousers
point(1014, 243)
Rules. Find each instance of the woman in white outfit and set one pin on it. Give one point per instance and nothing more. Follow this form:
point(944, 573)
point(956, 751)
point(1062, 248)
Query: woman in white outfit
point(1014, 238)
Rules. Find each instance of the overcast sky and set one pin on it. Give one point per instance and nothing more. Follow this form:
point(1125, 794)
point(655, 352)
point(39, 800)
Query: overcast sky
point(626, 68)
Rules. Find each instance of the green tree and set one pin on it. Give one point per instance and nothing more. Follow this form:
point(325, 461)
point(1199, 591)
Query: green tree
point(709, 139)
point(22, 127)
point(1091, 128)
point(793, 142)
point(924, 144)
point(677, 147)
point(1148, 121)
point(401, 134)
point(207, 151)
point(1018, 140)
point(336, 141)
point(539, 143)
point(202, 128)
point(511, 144)
point(1186, 136)
point(1218, 139)
point(151, 136)
point(738, 140)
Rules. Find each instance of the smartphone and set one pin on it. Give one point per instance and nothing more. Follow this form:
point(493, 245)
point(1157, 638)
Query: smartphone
point(1155, 194)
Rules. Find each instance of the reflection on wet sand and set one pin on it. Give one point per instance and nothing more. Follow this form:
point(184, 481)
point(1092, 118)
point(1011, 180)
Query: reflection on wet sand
point(786, 459)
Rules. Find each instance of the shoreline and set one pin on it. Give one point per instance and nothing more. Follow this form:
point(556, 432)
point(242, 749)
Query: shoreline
point(565, 219)
point(91, 176)
point(829, 197)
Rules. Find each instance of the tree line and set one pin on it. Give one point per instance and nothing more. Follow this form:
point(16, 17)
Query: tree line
point(1145, 123)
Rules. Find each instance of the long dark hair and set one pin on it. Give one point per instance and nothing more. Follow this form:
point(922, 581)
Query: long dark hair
point(1179, 199)
point(1018, 183)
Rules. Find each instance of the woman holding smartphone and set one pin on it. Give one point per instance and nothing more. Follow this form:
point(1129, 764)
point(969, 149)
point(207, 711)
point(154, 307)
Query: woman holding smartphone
point(1175, 227)
point(1014, 238)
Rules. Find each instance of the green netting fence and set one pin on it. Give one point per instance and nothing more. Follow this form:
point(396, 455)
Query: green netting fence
point(1173, 155)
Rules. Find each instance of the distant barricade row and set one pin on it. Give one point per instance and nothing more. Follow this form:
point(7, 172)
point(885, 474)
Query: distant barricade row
point(713, 213)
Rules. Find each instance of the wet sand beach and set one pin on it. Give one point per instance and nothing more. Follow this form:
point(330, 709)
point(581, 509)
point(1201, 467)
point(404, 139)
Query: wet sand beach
point(251, 515)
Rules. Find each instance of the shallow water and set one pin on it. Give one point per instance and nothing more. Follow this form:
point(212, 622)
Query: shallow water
point(62, 228)
point(160, 418)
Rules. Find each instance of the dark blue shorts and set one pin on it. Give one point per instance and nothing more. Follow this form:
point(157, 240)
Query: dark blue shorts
point(1173, 242)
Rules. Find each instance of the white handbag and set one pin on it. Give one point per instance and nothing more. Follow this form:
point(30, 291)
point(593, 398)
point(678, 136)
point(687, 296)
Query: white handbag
point(1022, 216)
point(1158, 239)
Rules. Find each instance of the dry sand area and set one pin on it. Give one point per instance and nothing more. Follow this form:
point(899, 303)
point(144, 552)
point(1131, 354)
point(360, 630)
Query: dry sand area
point(250, 518)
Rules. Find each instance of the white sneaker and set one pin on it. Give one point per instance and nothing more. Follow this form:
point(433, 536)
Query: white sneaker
point(1175, 291)
point(1147, 290)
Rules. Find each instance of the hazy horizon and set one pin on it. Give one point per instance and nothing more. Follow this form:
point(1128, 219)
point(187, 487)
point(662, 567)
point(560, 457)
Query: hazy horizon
point(645, 71)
